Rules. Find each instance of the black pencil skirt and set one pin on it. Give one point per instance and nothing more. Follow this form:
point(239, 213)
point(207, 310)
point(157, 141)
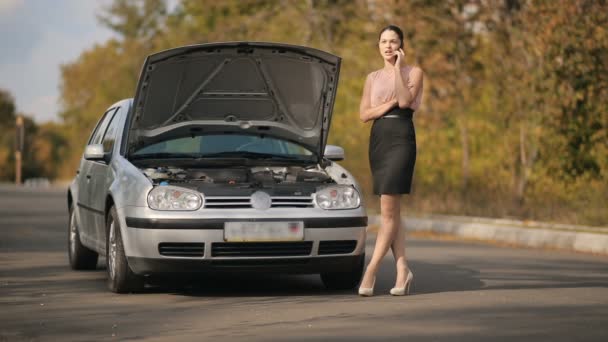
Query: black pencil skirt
point(392, 152)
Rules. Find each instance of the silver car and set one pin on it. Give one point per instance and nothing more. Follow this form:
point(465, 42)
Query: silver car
point(220, 163)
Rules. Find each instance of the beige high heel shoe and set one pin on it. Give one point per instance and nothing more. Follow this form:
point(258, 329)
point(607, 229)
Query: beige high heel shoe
point(367, 291)
point(405, 290)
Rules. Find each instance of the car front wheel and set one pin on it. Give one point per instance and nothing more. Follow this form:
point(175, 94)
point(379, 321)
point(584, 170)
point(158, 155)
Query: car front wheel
point(344, 280)
point(120, 277)
point(81, 258)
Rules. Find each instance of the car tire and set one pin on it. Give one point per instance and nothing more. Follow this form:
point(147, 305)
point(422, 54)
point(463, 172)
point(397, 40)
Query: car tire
point(120, 277)
point(81, 257)
point(344, 280)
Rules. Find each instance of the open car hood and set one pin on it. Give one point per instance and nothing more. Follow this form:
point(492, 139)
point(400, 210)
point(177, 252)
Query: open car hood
point(280, 90)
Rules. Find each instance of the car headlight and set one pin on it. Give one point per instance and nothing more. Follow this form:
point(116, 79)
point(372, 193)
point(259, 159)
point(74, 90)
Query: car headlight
point(338, 197)
point(174, 198)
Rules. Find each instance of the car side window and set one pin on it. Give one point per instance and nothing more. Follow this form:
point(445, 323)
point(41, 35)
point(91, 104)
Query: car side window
point(101, 127)
point(110, 136)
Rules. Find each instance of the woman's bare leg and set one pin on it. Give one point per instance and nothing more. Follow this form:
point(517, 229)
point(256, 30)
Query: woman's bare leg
point(398, 248)
point(391, 221)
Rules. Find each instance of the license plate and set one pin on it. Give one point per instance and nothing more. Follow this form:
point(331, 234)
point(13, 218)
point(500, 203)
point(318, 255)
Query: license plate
point(263, 231)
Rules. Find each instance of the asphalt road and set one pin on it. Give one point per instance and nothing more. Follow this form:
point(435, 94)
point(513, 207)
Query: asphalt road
point(462, 292)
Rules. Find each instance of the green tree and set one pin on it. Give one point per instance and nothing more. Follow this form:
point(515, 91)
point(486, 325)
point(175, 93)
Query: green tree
point(572, 43)
point(135, 19)
point(7, 136)
point(7, 108)
point(31, 166)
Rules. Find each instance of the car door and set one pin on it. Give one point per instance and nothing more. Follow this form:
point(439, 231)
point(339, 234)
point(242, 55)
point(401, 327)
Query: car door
point(102, 175)
point(85, 229)
point(86, 210)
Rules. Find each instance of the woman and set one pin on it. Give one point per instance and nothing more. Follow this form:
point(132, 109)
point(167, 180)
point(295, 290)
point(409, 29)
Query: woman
point(390, 97)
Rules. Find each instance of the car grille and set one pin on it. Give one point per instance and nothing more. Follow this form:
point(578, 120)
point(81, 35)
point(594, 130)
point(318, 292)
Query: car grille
point(178, 249)
point(337, 247)
point(260, 249)
point(234, 202)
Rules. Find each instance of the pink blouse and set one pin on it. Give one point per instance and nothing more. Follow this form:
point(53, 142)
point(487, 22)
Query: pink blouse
point(383, 87)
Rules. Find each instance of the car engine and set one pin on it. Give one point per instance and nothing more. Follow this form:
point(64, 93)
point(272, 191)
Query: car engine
point(242, 181)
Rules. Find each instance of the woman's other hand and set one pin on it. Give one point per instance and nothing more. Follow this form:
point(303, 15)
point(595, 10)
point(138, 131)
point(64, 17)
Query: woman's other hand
point(366, 111)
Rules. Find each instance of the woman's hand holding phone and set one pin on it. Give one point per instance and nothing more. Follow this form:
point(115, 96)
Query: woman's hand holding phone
point(400, 62)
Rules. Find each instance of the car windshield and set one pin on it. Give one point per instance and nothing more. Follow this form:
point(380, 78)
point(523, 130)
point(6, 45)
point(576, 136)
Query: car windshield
point(225, 146)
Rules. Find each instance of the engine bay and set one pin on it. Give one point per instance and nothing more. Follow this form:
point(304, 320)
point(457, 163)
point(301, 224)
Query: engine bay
point(240, 181)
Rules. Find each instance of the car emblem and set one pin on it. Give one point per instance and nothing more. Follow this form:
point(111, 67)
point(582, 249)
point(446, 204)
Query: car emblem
point(260, 200)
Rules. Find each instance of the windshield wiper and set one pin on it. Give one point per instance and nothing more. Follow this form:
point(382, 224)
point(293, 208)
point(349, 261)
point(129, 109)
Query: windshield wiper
point(166, 155)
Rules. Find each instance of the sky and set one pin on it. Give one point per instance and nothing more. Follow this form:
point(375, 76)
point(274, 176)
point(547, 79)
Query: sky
point(36, 37)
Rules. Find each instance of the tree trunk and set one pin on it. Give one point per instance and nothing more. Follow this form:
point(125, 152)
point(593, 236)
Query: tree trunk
point(464, 139)
point(526, 160)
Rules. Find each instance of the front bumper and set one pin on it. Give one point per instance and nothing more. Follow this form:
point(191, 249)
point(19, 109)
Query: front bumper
point(332, 243)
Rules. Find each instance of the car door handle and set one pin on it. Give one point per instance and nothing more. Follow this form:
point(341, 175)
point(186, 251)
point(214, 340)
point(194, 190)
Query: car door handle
point(88, 176)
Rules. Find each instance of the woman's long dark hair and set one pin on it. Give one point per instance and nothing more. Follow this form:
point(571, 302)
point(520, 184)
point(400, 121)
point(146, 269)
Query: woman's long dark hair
point(395, 29)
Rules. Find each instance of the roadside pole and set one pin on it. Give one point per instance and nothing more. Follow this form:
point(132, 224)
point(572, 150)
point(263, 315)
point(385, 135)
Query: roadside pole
point(18, 149)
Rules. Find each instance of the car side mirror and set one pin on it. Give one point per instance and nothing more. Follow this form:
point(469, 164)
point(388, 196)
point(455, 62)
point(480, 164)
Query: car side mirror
point(334, 153)
point(94, 153)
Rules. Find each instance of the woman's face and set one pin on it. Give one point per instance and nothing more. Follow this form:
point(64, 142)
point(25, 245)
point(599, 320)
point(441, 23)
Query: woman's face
point(389, 44)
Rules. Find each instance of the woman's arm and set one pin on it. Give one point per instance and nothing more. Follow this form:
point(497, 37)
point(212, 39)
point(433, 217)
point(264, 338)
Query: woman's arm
point(407, 88)
point(366, 111)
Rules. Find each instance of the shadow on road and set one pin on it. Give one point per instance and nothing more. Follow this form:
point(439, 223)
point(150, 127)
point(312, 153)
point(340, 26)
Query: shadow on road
point(429, 278)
